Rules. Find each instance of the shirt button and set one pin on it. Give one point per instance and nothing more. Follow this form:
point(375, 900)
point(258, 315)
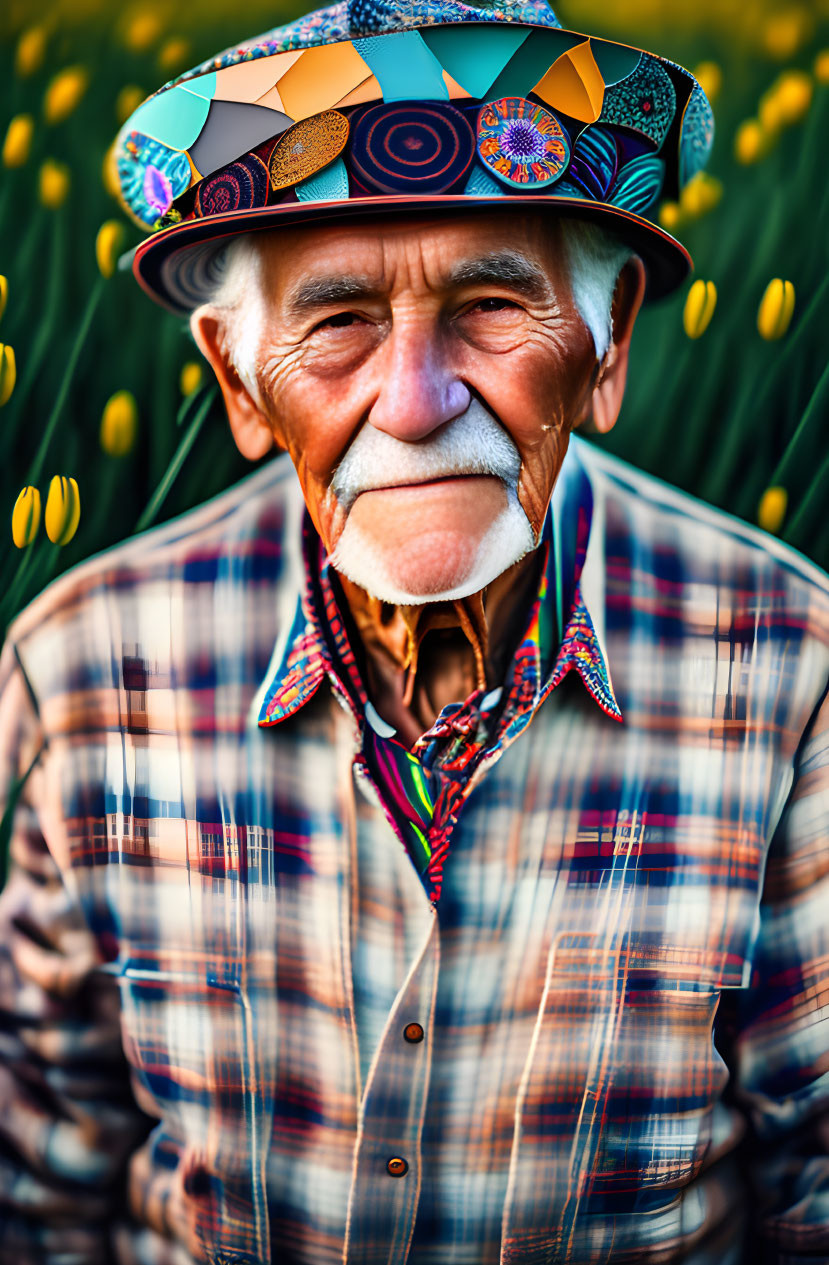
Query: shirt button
point(397, 1166)
point(413, 1032)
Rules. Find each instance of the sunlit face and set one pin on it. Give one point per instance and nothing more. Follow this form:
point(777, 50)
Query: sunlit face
point(386, 335)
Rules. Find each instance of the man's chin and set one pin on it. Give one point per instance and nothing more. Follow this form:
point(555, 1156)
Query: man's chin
point(438, 564)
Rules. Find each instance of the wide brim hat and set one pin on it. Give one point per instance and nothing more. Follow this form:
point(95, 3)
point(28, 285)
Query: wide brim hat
point(365, 108)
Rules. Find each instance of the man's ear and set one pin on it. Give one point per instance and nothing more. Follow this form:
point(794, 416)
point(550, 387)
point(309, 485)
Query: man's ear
point(250, 427)
point(610, 385)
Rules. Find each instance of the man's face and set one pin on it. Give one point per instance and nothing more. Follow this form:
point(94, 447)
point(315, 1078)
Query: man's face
point(394, 331)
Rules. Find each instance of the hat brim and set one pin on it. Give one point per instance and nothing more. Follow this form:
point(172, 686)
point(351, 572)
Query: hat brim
point(174, 266)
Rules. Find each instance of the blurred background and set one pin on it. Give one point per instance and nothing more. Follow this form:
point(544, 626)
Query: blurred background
point(728, 394)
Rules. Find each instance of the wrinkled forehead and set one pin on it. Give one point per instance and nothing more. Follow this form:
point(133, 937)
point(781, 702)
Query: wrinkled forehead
point(439, 251)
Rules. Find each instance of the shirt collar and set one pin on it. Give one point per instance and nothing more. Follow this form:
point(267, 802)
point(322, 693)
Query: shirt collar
point(570, 595)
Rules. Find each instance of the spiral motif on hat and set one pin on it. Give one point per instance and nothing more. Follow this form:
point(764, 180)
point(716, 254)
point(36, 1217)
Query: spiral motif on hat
point(521, 143)
point(240, 186)
point(411, 147)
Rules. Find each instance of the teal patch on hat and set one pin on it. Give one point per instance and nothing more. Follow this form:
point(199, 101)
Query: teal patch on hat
point(615, 62)
point(202, 86)
point(475, 55)
point(175, 117)
point(327, 185)
point(404, 66)
point(531, 62)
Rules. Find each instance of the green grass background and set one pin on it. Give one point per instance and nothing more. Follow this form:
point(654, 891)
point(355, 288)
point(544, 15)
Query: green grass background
point(722, 417)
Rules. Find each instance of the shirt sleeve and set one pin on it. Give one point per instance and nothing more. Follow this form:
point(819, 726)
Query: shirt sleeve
point(68, 1119)
point(782, 1038)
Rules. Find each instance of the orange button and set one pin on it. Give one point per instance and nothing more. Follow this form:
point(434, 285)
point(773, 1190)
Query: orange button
point(413, 1032)
point(397, 1166)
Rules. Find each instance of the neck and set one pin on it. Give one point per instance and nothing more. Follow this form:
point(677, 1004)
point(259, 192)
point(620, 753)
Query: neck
point(419, 658)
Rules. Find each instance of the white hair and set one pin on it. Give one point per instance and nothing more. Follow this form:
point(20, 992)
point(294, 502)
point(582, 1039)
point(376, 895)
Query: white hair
point(594, 261)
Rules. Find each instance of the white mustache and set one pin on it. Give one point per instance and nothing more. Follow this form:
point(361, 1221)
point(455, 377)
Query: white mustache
point(473, 443)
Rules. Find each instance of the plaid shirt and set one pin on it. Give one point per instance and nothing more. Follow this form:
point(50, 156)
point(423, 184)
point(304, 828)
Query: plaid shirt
point(274, 989)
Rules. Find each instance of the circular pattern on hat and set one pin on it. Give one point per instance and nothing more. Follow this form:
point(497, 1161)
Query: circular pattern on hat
point(152, 175)
point(411, 147)
point(240, 186)
point(521, 143)
point(307, 147)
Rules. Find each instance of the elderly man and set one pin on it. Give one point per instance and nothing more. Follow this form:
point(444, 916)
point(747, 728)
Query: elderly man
point(423, 858)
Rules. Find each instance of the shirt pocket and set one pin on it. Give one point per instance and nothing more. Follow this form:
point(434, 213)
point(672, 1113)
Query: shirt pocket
point(656, 1093)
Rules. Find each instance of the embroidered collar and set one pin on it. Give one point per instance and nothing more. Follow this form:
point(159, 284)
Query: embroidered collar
point(570, 596)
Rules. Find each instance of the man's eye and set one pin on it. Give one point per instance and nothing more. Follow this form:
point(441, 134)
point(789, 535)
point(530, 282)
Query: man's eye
point(491, 304)
point(340, 320)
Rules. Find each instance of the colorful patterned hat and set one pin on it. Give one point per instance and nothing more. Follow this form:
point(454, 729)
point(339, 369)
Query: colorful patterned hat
point(417, 106)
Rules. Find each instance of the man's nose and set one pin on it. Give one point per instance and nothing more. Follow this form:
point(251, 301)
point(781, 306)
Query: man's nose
point(419, 390)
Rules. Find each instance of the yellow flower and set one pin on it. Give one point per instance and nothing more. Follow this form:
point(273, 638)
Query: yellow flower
point(786, 31)
point(173, 54)
point(775, 311)
point(26, 517)
point(772, 509)
point(109, 173)
point(119, 424)
point(769, 110)
point(18, 140)
point(63, 510)
point(794, 95)
point(699, 308)
point(670, 215)
point(108, 245)
point(31, 48)
point(701, 194)
point(4, 295)
point(709, 77)
point(8, 373)
point(128, 99)
point(54, 183)
point(191, 377)
point(751, 143)
point(142, 30)
point(822, 66)
point(64, 93)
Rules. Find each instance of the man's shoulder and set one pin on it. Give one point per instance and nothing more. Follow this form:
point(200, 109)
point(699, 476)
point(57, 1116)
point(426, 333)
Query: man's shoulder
point(244, 533)
point(675, 531)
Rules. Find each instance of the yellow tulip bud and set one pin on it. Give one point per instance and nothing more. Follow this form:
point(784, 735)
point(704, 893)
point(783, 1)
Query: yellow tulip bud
point(794, 95)
point(119, 424)
point(670, 215)
point(709, 77)
point(772, 509)
point(699, 308)
point(786, 31)
point(4, 295)
point(751, 143)
point(26, 517)
point(108, 245)
point(54, 183)
point(18, 140)
point(109, 173)
point(775, 311)
point(63, 510)
point(142, 30)
point(822, 66)
point(64, 93)
point(128, 100)
point(769, 110)
point(701, 194)
point(191, 377)
point(173, 54)
point(31, 49)
point(8, 373)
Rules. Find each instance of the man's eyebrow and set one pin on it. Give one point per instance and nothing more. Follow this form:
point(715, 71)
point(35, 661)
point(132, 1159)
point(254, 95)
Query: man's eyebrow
point(323, 291)
point(500, 268)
